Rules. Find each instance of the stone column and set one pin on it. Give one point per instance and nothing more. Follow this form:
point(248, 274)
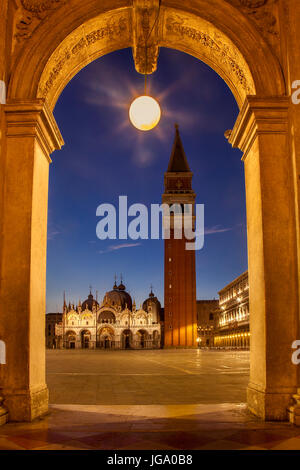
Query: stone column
point(32, 135)
point(261, 132)
point(3, 412)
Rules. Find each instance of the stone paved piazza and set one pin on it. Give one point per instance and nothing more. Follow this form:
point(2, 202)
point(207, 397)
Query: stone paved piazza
point(135, 400)
point(153, 377)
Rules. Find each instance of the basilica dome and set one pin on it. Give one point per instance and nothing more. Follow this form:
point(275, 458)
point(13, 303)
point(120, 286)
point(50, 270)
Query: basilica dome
point(118, 297)
point(89, 302)
point(152, 305)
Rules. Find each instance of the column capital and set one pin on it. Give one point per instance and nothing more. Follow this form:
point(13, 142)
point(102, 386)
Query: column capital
point(33, 119)
point(259, 116)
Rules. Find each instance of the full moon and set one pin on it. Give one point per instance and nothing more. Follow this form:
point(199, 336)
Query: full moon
point(144, 113)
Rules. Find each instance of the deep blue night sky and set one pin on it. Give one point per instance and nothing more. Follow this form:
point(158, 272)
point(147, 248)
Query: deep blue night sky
point(104, 157)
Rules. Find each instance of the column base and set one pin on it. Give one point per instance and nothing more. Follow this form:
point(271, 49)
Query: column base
point(3, 416)
point(269, 405)
point(26, 405)
point(294, 410)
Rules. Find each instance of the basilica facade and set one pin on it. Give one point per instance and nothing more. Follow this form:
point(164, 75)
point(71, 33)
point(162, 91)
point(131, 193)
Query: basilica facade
point(115, 323)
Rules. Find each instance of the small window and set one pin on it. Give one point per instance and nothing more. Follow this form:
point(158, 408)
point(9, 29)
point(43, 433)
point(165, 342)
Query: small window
point(211, 316)
point(170, 286)
point(170, 259)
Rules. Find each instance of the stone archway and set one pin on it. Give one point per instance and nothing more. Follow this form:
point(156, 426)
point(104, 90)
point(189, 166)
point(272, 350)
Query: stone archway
point(106, 316)
point(126, 339)
point(106, 338)
point(70, 340)
point(156, 339)
point(142, 339)
point(85, 337)
point(60, 40)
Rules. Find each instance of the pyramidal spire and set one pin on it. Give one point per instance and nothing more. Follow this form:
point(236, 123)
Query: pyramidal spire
point(178, 161)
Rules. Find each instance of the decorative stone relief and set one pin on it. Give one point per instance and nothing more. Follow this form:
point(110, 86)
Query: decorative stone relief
point(214, 45)
point(38, 7)
point(253, 3)
point(227, 134)
point(145, 35)
point(262, 12)
point(88, 40)
point(32, 12)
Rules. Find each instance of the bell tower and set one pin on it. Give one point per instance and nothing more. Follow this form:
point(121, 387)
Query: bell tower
point(180, 264)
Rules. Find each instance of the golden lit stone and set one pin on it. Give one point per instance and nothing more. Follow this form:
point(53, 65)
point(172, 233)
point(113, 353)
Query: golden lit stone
point(267, 131)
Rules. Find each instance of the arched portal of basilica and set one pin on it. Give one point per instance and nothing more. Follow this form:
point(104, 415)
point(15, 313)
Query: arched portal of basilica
point(253, 46)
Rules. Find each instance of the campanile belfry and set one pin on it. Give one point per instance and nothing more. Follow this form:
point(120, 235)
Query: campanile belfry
point(180, 265)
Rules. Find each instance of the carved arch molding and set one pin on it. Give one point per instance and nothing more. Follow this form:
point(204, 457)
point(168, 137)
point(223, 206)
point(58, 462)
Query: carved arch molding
point(260, 11)
point(129, 27)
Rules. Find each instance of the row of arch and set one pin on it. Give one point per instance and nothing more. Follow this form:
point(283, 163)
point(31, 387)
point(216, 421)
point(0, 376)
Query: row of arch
point(239, 339)
point(106, 339)
point(108, 316)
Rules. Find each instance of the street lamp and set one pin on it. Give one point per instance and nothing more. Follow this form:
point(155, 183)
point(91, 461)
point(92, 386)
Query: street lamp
point(144, 113)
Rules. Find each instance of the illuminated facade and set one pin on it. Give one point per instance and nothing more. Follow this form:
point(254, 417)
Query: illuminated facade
point(207, 321)
point(233, 324)
point(116, 323)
